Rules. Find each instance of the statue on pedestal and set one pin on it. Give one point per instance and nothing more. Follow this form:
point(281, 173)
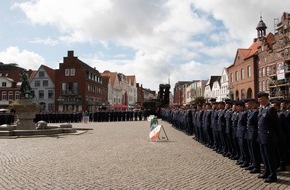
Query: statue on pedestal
point(25, 88)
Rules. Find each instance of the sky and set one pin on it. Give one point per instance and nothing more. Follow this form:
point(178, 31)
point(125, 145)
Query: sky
point(158, 41)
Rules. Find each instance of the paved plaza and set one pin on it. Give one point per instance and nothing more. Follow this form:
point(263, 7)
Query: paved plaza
point(119, 155)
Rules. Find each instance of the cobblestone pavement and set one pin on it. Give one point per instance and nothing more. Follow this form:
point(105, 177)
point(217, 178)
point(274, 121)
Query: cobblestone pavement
point(119, 155)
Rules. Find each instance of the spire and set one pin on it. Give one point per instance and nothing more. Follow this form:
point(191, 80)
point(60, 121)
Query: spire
point(261, 29)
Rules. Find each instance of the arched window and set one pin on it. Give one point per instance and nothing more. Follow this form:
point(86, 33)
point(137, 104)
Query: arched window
point(249, 93)
point(237, 75)
point(242, 74)
point(4, 95)
point(249, 71)
point(243, 94)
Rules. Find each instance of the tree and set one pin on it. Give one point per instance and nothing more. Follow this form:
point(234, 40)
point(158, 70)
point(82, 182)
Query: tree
point(199, 100)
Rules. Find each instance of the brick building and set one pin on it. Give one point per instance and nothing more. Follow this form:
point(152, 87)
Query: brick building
point(243, 73)
point(10, 83)
point(274, 67)
point(78, 87)
point(179, 92)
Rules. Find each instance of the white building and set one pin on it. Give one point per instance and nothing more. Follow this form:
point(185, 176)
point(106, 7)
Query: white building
point(224, 82)
point(122, 89)
point(216, 87)
point(212, 87)
point(43, 86)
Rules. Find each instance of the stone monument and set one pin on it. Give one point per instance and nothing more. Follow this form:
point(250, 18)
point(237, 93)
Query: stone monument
point(24, 107)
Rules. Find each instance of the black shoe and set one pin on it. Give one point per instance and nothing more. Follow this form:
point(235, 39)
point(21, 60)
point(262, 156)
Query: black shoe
point(229, 155)
point(271, 179)
point(281, 168)
point(244, 165)
point(263, 176)
point(255, 171)
point(249, 168)
point(239, 163)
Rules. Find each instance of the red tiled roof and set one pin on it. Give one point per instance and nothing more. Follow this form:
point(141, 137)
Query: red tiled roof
point(112, 76)
point(32, 74)
point(254, 48)
point(50, 72)
point(132, 79)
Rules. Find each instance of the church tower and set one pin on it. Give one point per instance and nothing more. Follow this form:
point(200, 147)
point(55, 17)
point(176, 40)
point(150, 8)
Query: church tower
point(261, 29)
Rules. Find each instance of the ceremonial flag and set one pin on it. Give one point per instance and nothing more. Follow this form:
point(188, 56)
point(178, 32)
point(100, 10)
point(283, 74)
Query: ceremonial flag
point(154, 132)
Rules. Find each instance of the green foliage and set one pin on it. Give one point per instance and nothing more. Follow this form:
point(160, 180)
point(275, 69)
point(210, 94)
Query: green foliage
point(199, 100)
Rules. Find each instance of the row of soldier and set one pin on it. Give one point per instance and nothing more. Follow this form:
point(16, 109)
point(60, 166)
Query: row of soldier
point(97, 116)
point(7, 118)
point(249, 131)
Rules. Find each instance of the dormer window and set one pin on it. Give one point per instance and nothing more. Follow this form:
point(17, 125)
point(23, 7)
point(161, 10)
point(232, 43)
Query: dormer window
point(41, 74)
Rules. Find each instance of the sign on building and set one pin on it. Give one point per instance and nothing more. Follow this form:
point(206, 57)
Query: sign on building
point(280, 71)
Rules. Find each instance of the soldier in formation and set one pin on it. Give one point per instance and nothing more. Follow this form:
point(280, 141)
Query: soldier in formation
point(250, 131)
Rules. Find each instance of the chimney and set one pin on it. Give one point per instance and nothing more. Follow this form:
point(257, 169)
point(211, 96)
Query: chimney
point(70, 53)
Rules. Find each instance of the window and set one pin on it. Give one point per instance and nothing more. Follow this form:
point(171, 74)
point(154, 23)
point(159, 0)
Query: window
point(45, 83)
point(66, 72)
point(50, 107)
point(75, 87)
point(40, 94)
point(72, 72)
point(3, 84)
point(10, 95)
point(249, 71)
point(237, 75)
point(264, 72)
point(264, 85)
point(260, 73)
point(37, 83)
point(17, 95)
point(63, 87)
point(268, 71)
point(41, 74)
point(242, 74)
point(224, 79)
point(4, 96)
point(232, 77)
point(32, 93)
point(50, 94)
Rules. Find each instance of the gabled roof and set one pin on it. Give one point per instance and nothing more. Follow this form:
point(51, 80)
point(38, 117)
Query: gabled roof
point(254, 48)
point(32, 74)
point(50, 72)
point(248, 53)
point(131, 79)
point(111, 75)
point(106, 80)
point(212, 79)
point(12, 71)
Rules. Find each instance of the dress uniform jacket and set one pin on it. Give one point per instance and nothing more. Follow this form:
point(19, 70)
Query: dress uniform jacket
point(267, 125)
point(242, 124)
point(252, 124)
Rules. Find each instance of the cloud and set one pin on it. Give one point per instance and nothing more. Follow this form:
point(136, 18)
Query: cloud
point(47, 41)
point(25, 59)
point(182, 40)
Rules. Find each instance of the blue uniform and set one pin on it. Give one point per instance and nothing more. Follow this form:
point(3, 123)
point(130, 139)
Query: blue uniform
point(267, 137)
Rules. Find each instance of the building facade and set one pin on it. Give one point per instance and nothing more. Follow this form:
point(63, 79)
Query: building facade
point(243, 73)
point(78, 87)
point(10, 83)
point(179, 92)
point(224, 85)
point(43, 87)
point(211, 87)
point(274, 67)
point(122, 89)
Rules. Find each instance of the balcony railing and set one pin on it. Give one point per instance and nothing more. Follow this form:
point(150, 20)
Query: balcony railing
point(69, 102)
point(69, 92)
